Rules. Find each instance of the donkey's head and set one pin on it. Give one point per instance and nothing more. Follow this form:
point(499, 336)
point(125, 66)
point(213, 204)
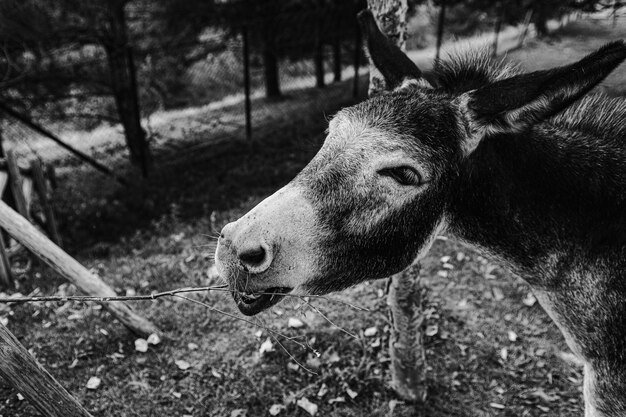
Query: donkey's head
point(377, 193)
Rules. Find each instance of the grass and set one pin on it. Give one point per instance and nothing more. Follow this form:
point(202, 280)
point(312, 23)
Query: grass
point(491, 351)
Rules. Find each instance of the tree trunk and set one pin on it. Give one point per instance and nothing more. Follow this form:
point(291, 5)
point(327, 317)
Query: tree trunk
point(336, 60)
point(318, 59)
point(498, 27)
point(124, 87)
point(440, 25)
point(540, 18)
point(406, 349)
point(270, 67)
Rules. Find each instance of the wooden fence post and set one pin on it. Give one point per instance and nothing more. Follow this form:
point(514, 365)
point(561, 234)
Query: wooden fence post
point(35, 241)
point(15, 179)
point(6, 276)
point(22, 371)
point(46, 203)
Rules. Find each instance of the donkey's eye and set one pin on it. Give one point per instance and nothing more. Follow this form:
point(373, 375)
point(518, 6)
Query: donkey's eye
point(403, 175)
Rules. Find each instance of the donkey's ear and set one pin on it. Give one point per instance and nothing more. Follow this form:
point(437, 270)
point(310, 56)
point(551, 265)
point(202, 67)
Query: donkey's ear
point(516, 103)
point(397, 69)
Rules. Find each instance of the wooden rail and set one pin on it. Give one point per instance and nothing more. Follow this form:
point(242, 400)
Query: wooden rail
point(22, 371)
point(36, 242)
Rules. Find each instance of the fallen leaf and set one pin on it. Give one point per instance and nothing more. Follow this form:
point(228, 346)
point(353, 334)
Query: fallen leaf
point(93, 383)
point(215, 373)
point(192, 346)
point(352, 394)
point(295, 323)
point(392, 406)
point(370, 332)
point(314, 362)
point(323, 390)
point(496, 405)
point(154, 339)
point(432, 330)
point(182, 364)
point(497, 294)
point(460, 256)
point(275, 409)
point(512, 336)
point(141, 345)
point(529, 300)
point(443, 274)
point(212, 274)
point(307, 406)
point(4, 321)
point(293, 366)
point(266, 346)
point(20, 397)
point(444, 259)
point(333, 358)
point(504, 353)
point(177, 394)
point(337, 400)
point(240, 412)
point(540, 393)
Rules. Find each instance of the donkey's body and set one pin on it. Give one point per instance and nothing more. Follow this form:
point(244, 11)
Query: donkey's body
point(551, 204)
point(515, 164)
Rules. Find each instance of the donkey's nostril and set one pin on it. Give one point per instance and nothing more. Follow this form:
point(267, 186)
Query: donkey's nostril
point(255, 259)
point(252, 256)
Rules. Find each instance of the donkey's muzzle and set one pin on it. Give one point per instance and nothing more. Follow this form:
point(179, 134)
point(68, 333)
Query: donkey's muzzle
point(269, 251)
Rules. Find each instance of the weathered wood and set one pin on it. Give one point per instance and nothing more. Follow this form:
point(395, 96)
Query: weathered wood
point(52, 176)
point(46, 202)
point(29, 378)
point(6, 277)
point(28, 235)
point(23, 170)
point(15, 180)
point(408, 358)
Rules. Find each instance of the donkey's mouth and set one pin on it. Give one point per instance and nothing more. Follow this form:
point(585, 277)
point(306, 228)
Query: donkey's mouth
point(251, 303)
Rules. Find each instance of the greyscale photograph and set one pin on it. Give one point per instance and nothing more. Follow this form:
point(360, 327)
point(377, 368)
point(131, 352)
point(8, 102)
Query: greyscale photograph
point(312, 208)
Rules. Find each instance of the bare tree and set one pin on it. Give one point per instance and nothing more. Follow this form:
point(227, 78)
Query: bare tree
point(406, 347)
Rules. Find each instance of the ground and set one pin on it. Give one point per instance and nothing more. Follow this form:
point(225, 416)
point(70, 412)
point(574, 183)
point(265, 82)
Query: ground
point(491, 349)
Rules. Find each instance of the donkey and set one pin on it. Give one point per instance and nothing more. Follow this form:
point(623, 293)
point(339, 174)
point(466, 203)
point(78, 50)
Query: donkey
point(521, 166)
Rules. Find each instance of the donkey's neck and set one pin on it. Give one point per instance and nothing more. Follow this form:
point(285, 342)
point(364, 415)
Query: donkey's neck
point(531, 196)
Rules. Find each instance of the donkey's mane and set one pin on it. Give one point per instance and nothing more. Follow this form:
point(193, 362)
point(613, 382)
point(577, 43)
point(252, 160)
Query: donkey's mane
point(465, 69)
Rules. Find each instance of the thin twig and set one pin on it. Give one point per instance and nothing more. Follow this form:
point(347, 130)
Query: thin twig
point(64, 298)
point(170, 293)
point(329, 320)
point(217, 310)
